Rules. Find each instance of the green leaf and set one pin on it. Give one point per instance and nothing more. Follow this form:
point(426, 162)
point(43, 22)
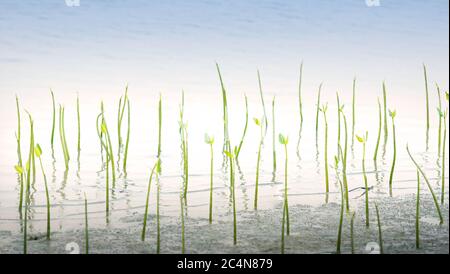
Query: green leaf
point(38, 150)
point(228, 154)
point(359, 138)
point(392, 113)
point(446, 95)
point(104, 128)
point(282, 139)
point(19, 169)
point(256, 120)
point(209, 139)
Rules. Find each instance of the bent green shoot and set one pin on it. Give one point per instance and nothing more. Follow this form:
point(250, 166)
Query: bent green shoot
point(438, 209)
point(62, 135)
point(284, 140)
point(392, 114)
point(262, 103)
point(375, 154)
point(38, 152)
point(363, 141)
point(226, 136)
point(317, 108)
point(324, 109)
point(300, 103)
point(108, 148)
point(232, 157)
point(259, 123)
point(127, 143)
point(418, 212)
point(147, 199)
point(86, 225)
point(210, 141)
point(245, 127)
point(274, 151)
point(380, 233)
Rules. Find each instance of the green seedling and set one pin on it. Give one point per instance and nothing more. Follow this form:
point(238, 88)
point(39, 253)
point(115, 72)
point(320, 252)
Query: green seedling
point(425, 75)
point(125, 157)
point(341, 212)
point(232, 157)
point(324, 109)
point(38, 152)
point(53, 119)
point(394, 158)
point(380, 234)
point(375, 154)
point(62, 135)
point(210, 141)
point(159, 133)
point(363, 141)
point(438, 209)
point(226, 136)
point(120, 113)
point(147, 199)
point(259, 123)
point(317, 108)
point(441, 116)
point(386, 132)
point(284, 140)
point(443, 152)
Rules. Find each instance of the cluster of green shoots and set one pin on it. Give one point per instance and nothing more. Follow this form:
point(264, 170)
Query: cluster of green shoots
point(124, 101)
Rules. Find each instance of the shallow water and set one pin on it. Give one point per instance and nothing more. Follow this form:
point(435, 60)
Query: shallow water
point(76, 50)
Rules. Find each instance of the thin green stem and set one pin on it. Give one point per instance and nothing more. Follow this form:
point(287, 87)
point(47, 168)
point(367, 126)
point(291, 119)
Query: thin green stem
point(380, 234)
point(375, 154)
point(79, 124)
point(443, 159)
point(47, 198)
point(385, 112)
point(245, 128)
point(262, 102)
point(53, 119)
point(211, 183)
point(353, 109)
point(317, 108)
point(300, 104)
point(438, 209)
point(394, 158)
point(125, 157)
point(274, 153)
point(418, 212)
point(86, 225)
point(426, 94)
point(147, 199)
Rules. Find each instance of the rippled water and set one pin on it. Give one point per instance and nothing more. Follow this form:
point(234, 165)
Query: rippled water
point(95, 49)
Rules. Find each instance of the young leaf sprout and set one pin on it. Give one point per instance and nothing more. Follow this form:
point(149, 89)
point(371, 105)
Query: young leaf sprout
point(20, 173)
point(262, 103)
point(53, 119)
point(443, 152)
point(438, 209)
point(363, 141)
point(38, 152)
point(226, 136)
point(284, 140)
point(300, 104)
point(317, 109)
point(86, 225)
point(274, 153)
point(210, 141)
point(147, 199)
point(125, 156)
point(380, 235)
point(245, 127)
point(426, 95)
point(259, 123)
point(232, 157)
point(324, 109)
point(394, 158)
point(418, 212)
point(375, 154)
